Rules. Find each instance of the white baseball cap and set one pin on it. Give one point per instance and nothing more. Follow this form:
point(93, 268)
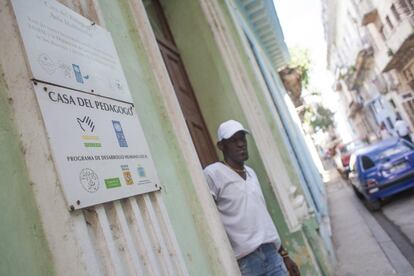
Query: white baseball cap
point(228, 129)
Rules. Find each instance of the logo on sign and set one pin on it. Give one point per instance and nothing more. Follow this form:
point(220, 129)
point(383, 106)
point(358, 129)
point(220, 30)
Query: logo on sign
point(78, 74)
point(142, 176)
point(47, 63)
point(66, 70)
point(87, 125)
point(141, 171)
point(118, 84)
point(127, 175)
point(111, 183)
point(120, 134)
point(89, 180)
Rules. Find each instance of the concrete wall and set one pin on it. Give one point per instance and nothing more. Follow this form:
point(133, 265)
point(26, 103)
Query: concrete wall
point(23, 247)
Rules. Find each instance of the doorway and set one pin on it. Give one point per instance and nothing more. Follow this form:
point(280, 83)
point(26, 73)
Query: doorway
point(181, 83)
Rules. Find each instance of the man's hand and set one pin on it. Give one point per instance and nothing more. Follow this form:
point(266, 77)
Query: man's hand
point(291, 266)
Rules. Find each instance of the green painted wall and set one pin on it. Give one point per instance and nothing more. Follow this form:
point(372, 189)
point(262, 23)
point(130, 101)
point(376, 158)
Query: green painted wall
point(23, 247)
point(325, 262)
point(218, 102)
point(178, 191)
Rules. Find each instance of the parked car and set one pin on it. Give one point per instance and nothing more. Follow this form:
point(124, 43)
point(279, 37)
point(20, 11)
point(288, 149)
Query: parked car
point(343, 153)
point(381, 170)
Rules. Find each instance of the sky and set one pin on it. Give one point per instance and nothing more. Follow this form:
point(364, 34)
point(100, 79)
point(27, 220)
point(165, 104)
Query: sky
point(302, 27)
point(301, 22)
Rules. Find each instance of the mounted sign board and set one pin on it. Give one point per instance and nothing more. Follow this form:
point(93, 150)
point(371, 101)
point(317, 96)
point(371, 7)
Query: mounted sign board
point(67, 49)
point(97, 142)
point(98, 146)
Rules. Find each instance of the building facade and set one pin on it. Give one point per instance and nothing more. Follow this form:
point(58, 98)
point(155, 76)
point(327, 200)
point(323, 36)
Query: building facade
point(189, 65)
point(368, 54)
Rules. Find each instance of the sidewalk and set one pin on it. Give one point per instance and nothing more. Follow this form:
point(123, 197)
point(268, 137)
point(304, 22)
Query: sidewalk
point(361, 246)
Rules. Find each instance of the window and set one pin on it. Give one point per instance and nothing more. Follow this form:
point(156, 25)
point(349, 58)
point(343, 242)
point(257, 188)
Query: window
point(409, 108)
point(395, 13)
point(381, 102)
point(393, 103)
point(397, 114)
point(400, 148)
point(367, 162)
point(408, 74)
point(390, 124)
point(372, 109)
point(389, 23)
point(381, 31)
point(410, 3)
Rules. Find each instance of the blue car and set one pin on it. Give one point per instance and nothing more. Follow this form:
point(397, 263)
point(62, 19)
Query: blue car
point(381, 170)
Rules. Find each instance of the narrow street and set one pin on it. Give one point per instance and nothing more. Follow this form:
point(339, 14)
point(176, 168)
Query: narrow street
point(368, 243)
point(401, 212)
point(397, 220)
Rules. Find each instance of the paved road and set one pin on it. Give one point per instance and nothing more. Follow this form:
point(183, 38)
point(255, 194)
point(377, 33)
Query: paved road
point(400, 211)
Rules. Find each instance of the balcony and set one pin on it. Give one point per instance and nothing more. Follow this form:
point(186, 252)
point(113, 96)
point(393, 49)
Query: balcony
point(355, 78)
point(401, 32)
point(401, 46)
point(402, 57)
point(354, 107)
point(368, 11)
point(338, 86)
point(292, 81)
point(411, 84)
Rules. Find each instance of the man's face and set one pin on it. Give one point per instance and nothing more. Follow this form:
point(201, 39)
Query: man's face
point(235, 148)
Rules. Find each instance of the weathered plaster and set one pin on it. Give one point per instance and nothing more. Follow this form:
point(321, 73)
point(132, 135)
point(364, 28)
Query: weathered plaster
point(170, 143)
point(21, 231)
point(41, 174)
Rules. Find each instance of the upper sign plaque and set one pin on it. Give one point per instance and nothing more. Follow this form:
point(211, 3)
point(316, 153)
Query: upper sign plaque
point(66, 49)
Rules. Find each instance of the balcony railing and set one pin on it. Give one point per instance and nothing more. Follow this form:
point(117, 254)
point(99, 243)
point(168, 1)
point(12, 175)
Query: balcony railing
point(356, 76)
point(406, 7)
point(401, 46)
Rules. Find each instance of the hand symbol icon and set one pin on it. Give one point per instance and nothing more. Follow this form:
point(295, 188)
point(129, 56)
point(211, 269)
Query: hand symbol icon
point(86, 123)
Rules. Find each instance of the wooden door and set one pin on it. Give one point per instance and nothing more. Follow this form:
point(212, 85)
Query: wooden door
point(182, 86)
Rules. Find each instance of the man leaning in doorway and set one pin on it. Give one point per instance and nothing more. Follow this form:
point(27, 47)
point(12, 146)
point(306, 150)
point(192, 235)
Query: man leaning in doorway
point(240, 202)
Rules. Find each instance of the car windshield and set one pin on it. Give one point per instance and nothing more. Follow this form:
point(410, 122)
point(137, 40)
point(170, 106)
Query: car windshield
point(398, 148)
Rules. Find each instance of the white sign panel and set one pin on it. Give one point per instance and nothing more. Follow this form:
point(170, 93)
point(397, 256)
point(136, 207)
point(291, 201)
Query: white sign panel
point(98, 146)
point(66, 49)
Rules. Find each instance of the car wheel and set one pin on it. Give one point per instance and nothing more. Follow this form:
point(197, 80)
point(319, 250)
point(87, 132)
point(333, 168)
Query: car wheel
point(357, 193)
point(373, 205)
